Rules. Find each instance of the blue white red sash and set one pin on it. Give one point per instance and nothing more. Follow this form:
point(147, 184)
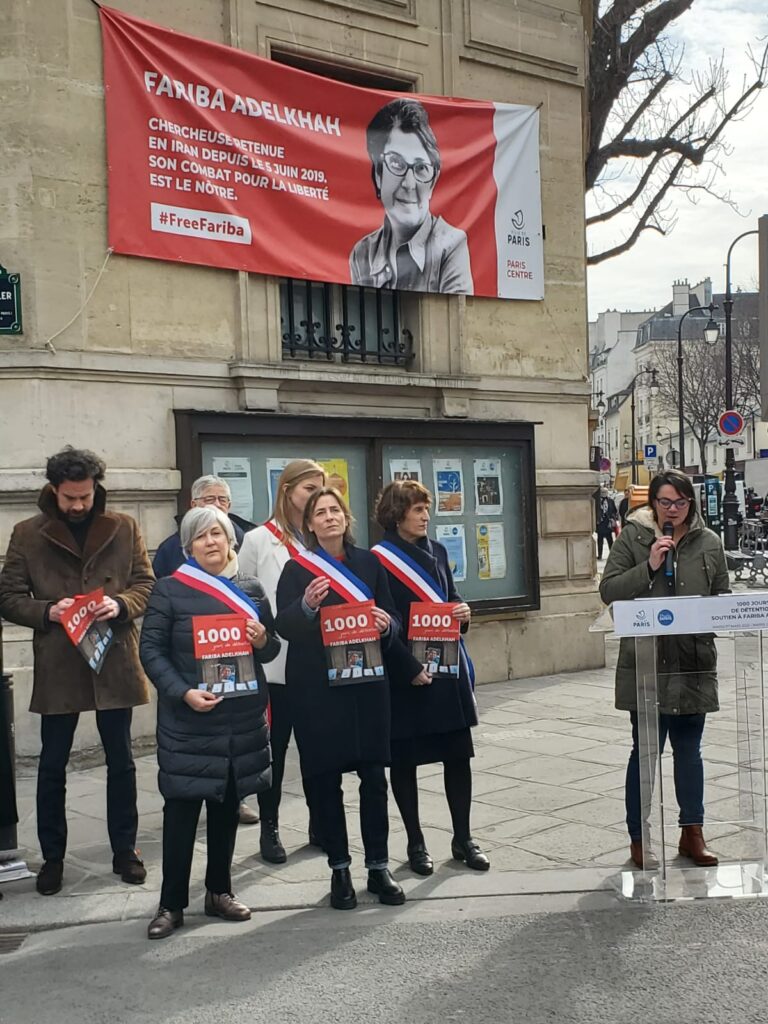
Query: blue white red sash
point(223, 589)
point(343, 581)
point(408, 571)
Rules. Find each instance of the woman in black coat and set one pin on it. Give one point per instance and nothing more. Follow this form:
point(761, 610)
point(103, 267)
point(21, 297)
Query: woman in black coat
point(208, 748)
point(431, 714)
point(341, 723)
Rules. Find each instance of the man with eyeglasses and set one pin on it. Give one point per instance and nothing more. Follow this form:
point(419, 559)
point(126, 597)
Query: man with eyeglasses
point(413, 250)
point(211, 492)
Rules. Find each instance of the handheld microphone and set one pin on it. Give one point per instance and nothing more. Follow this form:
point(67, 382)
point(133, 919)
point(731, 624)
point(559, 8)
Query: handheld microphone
point(669, 562)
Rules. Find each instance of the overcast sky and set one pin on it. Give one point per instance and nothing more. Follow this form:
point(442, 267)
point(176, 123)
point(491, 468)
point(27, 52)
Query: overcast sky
point(642, 277)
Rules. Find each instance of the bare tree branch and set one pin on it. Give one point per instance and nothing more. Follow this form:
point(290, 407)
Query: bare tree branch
point(645, 136)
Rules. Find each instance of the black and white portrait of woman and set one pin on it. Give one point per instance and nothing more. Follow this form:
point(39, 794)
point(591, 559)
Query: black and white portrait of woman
point(413, 250)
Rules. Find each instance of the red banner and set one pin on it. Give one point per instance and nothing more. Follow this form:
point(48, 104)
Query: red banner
point(221, 158)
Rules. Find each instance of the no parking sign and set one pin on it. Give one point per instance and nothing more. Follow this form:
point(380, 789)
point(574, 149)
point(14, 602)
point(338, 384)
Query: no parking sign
point(731, 423)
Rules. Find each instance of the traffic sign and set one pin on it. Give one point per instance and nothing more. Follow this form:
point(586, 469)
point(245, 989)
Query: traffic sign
point(650, 451)
point(731, 423)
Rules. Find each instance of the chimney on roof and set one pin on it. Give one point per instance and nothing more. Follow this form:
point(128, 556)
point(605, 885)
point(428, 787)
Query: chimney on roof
point(680, 298)
point(703, 292)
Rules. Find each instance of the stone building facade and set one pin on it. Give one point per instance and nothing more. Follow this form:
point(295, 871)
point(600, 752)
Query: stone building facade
point(168, 365)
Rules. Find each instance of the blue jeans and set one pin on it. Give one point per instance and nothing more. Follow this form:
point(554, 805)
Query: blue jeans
point(685, 732)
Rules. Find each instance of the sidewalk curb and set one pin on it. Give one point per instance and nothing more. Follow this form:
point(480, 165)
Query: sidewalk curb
point(23, 909)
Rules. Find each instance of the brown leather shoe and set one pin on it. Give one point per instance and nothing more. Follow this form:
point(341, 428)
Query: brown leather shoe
point(636, 855)
point(164, 923)
point(246, 815)
point(693, 845)
point(225, 906)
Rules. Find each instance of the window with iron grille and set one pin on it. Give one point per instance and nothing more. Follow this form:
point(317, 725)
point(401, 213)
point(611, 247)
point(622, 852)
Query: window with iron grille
point(343, 323)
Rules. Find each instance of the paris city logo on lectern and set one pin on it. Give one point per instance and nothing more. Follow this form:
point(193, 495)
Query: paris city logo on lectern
point(665, 617)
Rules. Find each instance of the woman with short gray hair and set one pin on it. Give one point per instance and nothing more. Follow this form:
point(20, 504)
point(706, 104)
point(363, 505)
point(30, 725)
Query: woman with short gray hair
point(209, 747)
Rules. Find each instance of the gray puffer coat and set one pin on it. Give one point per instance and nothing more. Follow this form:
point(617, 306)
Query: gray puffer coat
point(686, 665)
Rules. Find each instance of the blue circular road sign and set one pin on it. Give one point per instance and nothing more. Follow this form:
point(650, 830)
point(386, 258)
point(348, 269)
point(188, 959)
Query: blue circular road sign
point(731, 423)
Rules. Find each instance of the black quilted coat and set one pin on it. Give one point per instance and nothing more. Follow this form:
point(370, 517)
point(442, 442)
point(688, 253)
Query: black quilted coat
point(195, 749)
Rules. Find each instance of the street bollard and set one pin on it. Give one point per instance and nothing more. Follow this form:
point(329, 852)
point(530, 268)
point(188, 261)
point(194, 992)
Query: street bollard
point(8, 811)
point(12, 867)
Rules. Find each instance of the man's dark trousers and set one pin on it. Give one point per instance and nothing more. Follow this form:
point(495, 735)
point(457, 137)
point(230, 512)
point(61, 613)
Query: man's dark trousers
point(57, 733)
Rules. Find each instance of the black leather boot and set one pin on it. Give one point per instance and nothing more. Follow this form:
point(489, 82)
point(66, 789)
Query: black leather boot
point(343, 895)
point(272, 850)
point(382, 884)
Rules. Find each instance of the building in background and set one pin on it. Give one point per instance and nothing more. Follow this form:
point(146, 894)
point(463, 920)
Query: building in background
point(653, 342)
point(175, 370)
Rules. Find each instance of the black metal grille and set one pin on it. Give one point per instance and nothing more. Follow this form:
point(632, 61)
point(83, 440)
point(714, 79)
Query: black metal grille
point(11, 941)
point(343, 323)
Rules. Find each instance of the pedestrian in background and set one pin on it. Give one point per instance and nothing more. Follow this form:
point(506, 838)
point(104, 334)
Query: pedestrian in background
point(624, 507)
point(431, 717)
point(686, 665)
point(208, 748)
point(606, 517)
point(75, 545)
point(339, 728)
point(264, 553)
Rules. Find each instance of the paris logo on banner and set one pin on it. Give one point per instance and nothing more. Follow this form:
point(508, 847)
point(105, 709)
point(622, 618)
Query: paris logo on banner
point(221, 158)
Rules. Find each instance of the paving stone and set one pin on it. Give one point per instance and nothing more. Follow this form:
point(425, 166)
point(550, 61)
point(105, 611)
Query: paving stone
point(516, 828)
point(570, 843)
point(604, 811)
point(556, 770)
point(531, 796)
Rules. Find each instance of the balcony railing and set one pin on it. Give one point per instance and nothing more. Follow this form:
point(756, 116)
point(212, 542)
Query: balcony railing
point(343, 323)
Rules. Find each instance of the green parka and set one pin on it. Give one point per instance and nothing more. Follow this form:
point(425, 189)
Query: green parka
point(687, 665)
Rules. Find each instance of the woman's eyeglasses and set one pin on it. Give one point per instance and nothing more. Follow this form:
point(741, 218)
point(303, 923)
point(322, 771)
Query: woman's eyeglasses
point(423, 171)
point(678, 505)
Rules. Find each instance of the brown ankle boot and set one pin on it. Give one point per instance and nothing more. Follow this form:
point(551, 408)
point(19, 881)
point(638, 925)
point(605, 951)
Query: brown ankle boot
point(636, 855)
point(692, 845)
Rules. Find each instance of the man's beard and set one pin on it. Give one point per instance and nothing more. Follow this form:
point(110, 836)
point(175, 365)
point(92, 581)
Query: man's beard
point(78, 517)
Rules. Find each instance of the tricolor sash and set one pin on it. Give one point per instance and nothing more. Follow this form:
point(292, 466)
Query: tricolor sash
point(292, 547)
point(425, 588)
point(223, 589)
point(343, 581)
point(409, 572)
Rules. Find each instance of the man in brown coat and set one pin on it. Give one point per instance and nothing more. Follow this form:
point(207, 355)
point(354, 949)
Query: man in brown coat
point(73, 547)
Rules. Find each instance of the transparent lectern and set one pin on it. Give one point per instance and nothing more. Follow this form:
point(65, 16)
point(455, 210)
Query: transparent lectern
point(733, 745)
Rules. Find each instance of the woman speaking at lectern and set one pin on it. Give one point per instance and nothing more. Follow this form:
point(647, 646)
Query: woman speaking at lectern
point(637, 566)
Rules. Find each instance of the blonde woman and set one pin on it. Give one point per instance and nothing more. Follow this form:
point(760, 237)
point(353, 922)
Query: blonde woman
point(264, 553)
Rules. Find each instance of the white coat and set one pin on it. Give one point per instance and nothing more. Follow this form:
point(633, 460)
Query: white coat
point(262, 555)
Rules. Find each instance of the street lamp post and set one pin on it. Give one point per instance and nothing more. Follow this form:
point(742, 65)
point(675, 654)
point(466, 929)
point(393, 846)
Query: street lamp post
point(660, 438)
point(730, 501)
point(711, 334)
point(654, 388)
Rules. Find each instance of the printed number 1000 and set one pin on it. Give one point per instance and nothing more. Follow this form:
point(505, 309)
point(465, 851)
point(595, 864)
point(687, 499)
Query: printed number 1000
point(435, 621)
point(347, 622)
point(213, 635)
point(80, 614)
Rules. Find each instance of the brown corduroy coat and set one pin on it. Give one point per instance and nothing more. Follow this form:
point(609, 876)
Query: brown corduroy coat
point(44, 564)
